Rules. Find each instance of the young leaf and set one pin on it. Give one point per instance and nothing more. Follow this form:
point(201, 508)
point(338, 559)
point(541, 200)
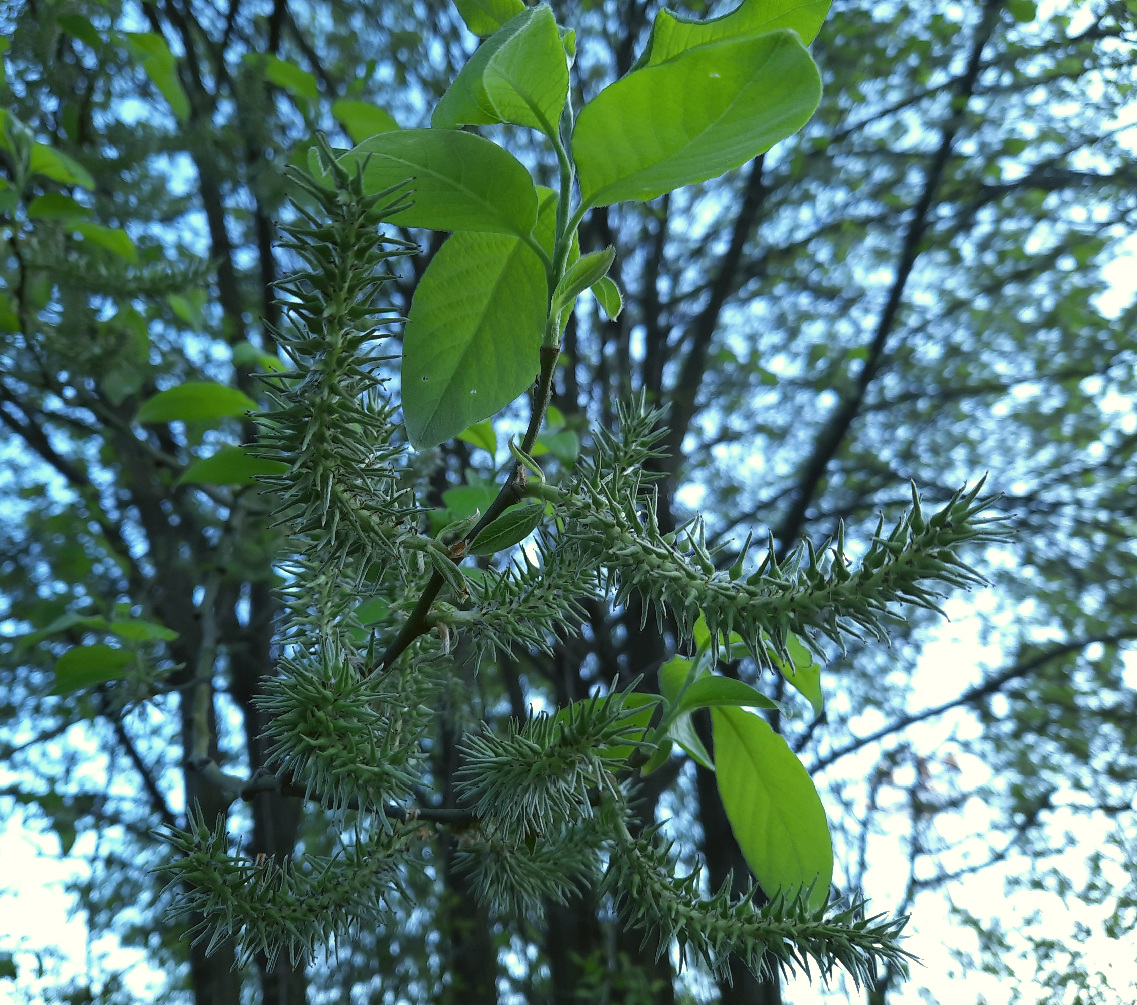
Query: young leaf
point(682, 731)
point(230, 466)
point(58, 167)
point(672, 33)
point(481, 434)
point(162, 68)
point(709, 691)
point(484, 17)
point(473, 334)
point(362, 119)
point(56, 206)
point(465, 500)
point(460, 181)
point(564, 446)
point(607, 294)
point(85, 666)
point(111, 238)
point(520, 75)
point(194, 402)
point(773, 807)
point(804, 675)
point(512, 527)
point(287, 76)
point(583, 273)
point(79, 27)
point(694, 117)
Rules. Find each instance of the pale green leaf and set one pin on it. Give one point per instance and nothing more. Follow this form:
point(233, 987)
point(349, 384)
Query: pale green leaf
point(481, 434)
point(288, 76)
point(520, 75)
point(465, 500)
point(682, 731)
point(460, 181)
point(362, 119)
point(111, 238)
point(195, 402)
point(694, 117)
point(86, 666)
point(57, 166)
point(81, 28)
point(473, 334)
point(526, 80)
point(162, 68)
point(804, 675)
point(56, 206)
point(137, 630)
point(712, 691)
point(230, 466)
point(583, 273)
point(564, 446)
point(484, 17)
point(773, 807)
point(673, 34)
point(607, 293)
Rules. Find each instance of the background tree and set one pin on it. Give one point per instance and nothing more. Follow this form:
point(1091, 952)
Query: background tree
point(908, 290)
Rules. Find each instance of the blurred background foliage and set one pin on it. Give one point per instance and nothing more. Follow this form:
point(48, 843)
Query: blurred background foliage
point(917, 286)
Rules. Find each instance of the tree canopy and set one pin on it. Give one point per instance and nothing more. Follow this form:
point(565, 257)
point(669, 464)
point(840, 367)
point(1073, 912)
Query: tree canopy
point(908, 290)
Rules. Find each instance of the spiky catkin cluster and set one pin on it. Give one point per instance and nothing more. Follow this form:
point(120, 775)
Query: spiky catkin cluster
point(351, 742)
point(273, 908)
point(518, 879)
point(529, 603)
point(535, 778)
point(610, 513)
point(786, 933)
point(329, 421)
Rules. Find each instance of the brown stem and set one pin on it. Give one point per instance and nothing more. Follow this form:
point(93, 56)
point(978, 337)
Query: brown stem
point(511, 492)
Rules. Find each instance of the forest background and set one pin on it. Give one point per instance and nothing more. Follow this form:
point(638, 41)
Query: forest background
point(912, 288)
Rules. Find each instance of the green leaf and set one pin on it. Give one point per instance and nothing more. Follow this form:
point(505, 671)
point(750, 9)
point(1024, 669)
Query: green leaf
point(694, 117)
point(484, 17)
point(8, 969)
point(162, 68)
point(682, 731)
point(79, 27)
point(137, 630)
point(512, 527)
point(111, 238)
point(481, 434)
point(196, 401)
point(583, 273)
point(673, 34)
point(56, 206)
point(361, 119)
point(58, 167)
point(247, 354)
point(288, 76)
point(465, 500)
point(460, 181)
point(711, 691)
point(230, 466)
point(1023, 11)
point(773, 807)
point(564, 446)
point(607, 294)
point(85, 666)
point(373, 610)
point(473, 334)
point(804, 675)
point(520, 75)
